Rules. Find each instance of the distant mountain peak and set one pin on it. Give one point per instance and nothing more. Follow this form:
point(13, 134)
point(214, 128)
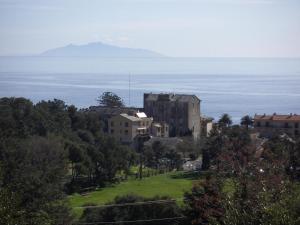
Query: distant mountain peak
point(99, 49)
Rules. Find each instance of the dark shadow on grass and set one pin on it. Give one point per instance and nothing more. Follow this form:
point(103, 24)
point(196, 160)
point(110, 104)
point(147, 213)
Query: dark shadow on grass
point(191, 175)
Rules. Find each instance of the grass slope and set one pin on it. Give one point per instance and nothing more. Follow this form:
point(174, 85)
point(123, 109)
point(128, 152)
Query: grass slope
point(172, 184)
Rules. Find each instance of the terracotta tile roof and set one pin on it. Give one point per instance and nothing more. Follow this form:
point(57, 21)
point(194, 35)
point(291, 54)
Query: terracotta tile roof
point(275, 117)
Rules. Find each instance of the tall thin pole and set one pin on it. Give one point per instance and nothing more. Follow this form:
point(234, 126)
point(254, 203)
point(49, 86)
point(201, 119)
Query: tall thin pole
point(129, 87)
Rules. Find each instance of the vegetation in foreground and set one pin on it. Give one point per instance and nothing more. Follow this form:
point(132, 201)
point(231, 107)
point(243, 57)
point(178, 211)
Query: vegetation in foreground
point(50, 149)
point(172, 184)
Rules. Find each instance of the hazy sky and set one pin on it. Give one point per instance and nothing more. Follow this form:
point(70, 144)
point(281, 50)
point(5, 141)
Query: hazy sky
point(212, 28)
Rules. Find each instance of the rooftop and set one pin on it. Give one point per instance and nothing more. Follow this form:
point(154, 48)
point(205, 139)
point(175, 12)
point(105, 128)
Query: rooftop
point(141, 115)
point(275, 117)
point(131, 118)
point(170, 97)
point(206, 118)
point(105, 110)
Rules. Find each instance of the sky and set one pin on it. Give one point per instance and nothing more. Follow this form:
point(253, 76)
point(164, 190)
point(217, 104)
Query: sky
point(178, 28)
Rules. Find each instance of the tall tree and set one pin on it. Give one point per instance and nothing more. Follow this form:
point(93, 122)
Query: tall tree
point(225, 120)
point(110, 99)
point(204, 203)
point(212, 147)
point(33, 170)
point(247, 121)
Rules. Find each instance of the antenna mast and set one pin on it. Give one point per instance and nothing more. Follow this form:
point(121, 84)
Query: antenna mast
point(129, 87)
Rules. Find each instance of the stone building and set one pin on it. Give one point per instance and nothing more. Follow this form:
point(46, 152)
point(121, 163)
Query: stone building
point(126, 127)
point(268, 125)
point(181, 112)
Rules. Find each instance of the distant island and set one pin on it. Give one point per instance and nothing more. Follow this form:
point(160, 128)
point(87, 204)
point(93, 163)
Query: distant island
point(98, 49)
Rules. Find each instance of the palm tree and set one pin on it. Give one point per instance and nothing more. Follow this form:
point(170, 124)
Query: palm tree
point(225, 120)
point(247, 121)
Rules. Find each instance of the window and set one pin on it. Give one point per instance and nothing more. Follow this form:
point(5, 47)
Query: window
point(258, 124)
point(286, 125)
point(126, 124)
point(166, 129)
point(126, 132)
point(120, 123)
point(112, 123)
point(112, 131)
point(296, 132)
point(296, 125)
point(147, 123)
point(267, 124)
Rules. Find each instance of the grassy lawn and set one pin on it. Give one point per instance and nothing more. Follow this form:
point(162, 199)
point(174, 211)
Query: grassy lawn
point(172, 184)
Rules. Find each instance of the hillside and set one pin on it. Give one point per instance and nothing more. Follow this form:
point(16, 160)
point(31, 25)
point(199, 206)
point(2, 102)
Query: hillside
point(98, 49)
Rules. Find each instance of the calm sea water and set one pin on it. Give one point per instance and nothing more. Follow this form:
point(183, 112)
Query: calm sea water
point(225, 85)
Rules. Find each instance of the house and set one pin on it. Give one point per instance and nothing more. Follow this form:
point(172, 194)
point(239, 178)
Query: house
point(181, 112)
point(268, 125)
point(160, 129)
point(106, 112)
point(126, 127)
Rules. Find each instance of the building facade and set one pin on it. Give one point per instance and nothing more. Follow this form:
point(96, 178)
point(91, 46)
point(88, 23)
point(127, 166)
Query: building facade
point(268, 125)
point(125, 128)
point(206, 125)
point(159, 129)
point(106, 112)
point(180, 112)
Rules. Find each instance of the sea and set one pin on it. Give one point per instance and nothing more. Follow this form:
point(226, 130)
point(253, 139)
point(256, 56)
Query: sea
point(237, 86)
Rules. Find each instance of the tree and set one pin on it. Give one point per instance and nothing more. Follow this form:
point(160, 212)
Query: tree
point(204, 203)
point(16, 117)
point(110, 99)
point(33, 170)
point(75, 156)
point(259, 182)
point(225, 120)
point(212, 147)
point(10, 213)
point(95, 158)
point(52, 117)
point(188, 146)
point(288, 151)
point(162, 157)
point(247, 121)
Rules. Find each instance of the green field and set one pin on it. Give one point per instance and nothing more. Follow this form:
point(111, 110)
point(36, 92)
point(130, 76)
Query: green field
point(172, 184)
